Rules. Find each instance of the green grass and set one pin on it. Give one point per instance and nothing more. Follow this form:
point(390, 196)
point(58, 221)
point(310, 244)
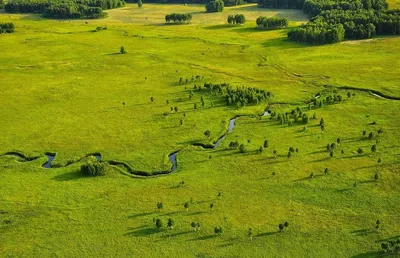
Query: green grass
point(62, 88)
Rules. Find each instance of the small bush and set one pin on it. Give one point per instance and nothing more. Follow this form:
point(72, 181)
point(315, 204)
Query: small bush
point(93, 169)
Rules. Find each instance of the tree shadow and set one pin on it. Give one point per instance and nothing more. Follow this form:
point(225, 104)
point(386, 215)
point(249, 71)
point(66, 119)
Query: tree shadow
point(267, 234)
point(219, 26)
point(74, 175)
point(203, 238)
point(132, 216)
point(307, 178)
point(372, 254)
point(144, 232)
point(363, 232)
point(344, 190)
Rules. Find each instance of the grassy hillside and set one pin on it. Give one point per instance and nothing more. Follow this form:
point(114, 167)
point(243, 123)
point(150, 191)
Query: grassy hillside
point(66, 89)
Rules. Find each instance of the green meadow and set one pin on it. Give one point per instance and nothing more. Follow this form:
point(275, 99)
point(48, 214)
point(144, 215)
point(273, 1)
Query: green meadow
point(66, 89)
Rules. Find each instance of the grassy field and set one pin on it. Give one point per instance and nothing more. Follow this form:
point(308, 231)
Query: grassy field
point(63, 85)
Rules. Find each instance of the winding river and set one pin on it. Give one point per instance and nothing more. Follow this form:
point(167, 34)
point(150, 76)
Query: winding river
point(172, 156)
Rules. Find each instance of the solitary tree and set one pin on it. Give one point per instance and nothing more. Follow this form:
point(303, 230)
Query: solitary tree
point(181, 122)
point(266, 144)
point(122, 50)
point(275, 153)
point(326, 171)
point(242, 149)
point(376, 177)
point(219, 195)
point(171, 223)
point(207, 133)
point(373, 148)
point(160, 206)
point(194, 226)
point(140, 3)
point(360, 151)
point(370, 135)
point(212, 206)
point(377, 224)
point(186, 206)
point(286, 224)
point(159, 223)
point(379, 160)
point(331, 154)
point(218, 230)
point(281, 227)
point(250, 234)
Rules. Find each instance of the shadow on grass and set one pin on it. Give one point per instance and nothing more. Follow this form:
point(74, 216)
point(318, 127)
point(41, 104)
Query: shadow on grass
point(132, 216)
point(195, 213)
point(219, 26)
point(363, 232)
point(74, 175)
point(373, 254)
point(308, 178)
point(144, 232)
point(267, 234)
point(203, 238)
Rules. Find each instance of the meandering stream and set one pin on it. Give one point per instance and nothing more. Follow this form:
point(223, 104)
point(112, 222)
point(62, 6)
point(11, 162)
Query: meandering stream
point(172, 156)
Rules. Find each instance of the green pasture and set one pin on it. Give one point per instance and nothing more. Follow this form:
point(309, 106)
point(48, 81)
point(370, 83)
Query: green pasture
point(62, 89)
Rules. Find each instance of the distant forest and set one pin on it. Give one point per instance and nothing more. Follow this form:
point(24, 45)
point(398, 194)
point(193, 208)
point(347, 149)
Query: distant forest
point(64, 9)
point(333, 21)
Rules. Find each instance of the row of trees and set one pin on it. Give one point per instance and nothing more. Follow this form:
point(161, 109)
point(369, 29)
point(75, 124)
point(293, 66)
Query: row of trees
point(215, 6)
point(73, 11)
point(64, 8)
point(315, 7)
point(236, 19)
point(317, 34)
point(281, 4)
point(178, 17)
point(272, 22)
point(7, 27)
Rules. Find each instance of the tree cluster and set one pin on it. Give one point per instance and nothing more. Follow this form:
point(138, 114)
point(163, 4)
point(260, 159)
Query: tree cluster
point(233, 2)
point(281, 4)
point(7, 27)
point(178, 17)
point(215, 6)
point(74, 9)
point(391, 247)
point(236, 19)
point(295, 116)
point(334, 21)
point(317, 34)
point(269, 23)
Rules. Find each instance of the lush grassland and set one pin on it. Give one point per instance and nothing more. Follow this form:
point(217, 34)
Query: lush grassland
point(62, 89)
point(394, 4)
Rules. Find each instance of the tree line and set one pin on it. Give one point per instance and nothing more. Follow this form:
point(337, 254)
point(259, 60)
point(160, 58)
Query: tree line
point(272, 22)
point(65, 8)
point(7, 27)
point(281, 4)
point(178, 17)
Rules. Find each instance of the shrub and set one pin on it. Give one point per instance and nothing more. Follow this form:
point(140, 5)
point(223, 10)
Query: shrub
point(93, 169)
point(7, 28)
